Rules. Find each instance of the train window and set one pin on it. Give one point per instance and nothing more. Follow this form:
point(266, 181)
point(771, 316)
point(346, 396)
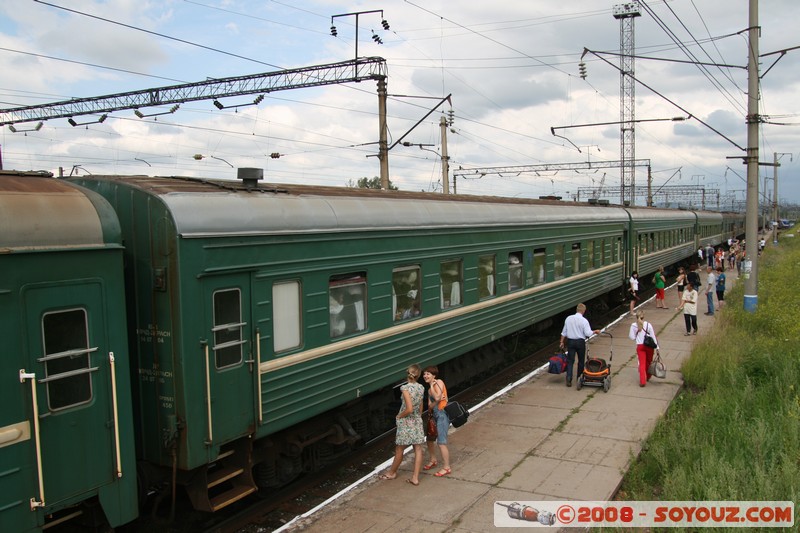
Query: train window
point(617, 250)
point(347, 304)
point(603, 261)
point(406, 293)
point(486, 274)
point(576, 257)
point(451, 279)
point(515, 271)
point(66, 358)
point(287, 331)
point(228, 325)
point(590, 255)
point(558, 261)
point(539, 262)
point(652, 242)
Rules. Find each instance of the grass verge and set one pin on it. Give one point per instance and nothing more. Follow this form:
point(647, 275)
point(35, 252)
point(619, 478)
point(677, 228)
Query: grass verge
point(734, 431)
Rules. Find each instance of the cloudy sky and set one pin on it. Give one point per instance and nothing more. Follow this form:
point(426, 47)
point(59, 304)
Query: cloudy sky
point(511, 68)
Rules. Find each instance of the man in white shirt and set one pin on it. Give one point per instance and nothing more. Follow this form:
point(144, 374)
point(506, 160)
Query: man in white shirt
point(711, 287)
point(573, 336)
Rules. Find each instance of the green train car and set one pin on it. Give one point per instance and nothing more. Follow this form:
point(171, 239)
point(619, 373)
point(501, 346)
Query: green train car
point(255, 308)
point(257, 331)
point(65, 427)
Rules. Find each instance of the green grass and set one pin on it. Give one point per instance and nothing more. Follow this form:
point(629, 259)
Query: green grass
point(734, 432)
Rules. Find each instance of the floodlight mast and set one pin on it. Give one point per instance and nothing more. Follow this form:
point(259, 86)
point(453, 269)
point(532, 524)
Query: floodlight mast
point(626, 13)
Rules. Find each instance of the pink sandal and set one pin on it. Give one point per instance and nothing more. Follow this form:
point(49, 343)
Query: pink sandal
point(443, 472)
point(430, 465)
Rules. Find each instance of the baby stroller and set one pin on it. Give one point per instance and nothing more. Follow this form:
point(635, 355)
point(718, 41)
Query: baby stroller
point(596, 372)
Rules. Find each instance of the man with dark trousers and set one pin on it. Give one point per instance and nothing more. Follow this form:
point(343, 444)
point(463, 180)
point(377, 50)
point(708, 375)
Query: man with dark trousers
point(573, 336)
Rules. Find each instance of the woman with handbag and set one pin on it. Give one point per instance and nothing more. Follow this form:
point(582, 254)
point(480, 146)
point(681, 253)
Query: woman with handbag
point(437, 400)
point(409, 425)
point(645, 337)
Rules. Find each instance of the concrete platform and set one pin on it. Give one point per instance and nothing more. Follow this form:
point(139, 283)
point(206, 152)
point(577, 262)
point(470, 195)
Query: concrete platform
point(539, 441)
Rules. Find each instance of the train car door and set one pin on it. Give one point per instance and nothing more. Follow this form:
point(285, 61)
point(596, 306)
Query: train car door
point(68, 360)
point(230, 365)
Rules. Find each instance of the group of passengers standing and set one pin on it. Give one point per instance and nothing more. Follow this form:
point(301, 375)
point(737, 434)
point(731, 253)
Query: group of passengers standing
point(410, 429)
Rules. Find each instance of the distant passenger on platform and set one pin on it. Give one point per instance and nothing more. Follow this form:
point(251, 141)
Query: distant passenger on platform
point(693, 276)
point(638, 330)
point(409, 425)
point(720, 287)
point(711, 288)
point(700, 254)
point(660, 282)
point(681, 280)
point(633, 289)
point(710, 256)
point(689, 307)
point(573, 336)
point(437, 400)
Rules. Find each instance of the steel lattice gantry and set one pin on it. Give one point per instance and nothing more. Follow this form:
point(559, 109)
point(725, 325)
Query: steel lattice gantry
point(361, 69)
point(549, 167)
point(667, 196)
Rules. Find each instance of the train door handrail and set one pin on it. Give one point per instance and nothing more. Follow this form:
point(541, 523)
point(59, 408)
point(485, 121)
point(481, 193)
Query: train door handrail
point(113, 367)
point(208, 395)
point(258, 378)
point(23, 375)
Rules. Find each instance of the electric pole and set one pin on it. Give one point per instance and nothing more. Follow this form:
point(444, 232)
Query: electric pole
point(750, 267)
point(445, 158)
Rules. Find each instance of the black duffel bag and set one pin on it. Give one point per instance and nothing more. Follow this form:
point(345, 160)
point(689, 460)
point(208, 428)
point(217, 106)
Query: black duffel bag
point(457, 413)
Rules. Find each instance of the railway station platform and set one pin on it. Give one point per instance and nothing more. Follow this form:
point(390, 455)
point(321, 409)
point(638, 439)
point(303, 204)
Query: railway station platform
point(536, 440)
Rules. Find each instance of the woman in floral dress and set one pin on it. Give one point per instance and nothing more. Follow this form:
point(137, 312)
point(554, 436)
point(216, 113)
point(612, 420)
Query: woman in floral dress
point(409, 425)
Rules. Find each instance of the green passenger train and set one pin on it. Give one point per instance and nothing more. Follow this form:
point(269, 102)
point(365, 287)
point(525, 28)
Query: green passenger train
point(265, 324)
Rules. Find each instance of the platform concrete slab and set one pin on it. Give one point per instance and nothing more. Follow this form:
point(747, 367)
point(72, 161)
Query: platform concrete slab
point(480, 517)
point(587, 449)
point(547, 393)
point(566, 480)
point(610, 424)
point(356, 520)
point(488, 466)
point(491, 434)
point(528, 416)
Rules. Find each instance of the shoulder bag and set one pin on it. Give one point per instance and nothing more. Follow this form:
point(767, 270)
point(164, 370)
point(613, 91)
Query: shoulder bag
point(649, 341)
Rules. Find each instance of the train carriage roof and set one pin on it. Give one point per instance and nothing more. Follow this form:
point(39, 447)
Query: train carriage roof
point(38, 212)
point(649, 213)
point(208, 208)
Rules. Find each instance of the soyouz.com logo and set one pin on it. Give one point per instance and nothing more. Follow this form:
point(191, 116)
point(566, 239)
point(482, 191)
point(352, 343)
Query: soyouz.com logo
point(644, 514)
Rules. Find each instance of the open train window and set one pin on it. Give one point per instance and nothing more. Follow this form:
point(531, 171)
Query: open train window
point(287, 331)
point(590, 255)
point(451, 280)
point(347, 304)
point(228, 325)
point(486, 274)
point(515, 271)
point(558, 261)
point(539, 266)
point(66, 358)
point(406, 295)
point(576, 257)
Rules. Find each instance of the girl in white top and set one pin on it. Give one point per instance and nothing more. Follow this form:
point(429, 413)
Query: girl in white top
point(689, 306)
point(633, 289)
